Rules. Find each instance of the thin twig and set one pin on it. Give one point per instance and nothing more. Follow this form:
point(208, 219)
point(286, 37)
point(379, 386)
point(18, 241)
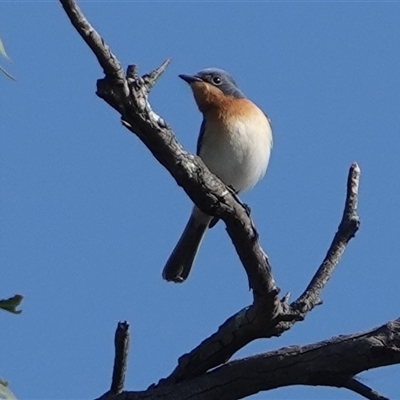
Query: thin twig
point(153, 76)
point(121, 342)
point(140, 89)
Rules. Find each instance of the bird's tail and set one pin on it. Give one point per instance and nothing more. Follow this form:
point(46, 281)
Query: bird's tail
point(181, 260)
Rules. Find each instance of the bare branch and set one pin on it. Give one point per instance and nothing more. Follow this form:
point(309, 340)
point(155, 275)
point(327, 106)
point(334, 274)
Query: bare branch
point(105, 57)
point(252, 322)
point(153, 76)
point(333, 363)
point(346, 231)
point(232, 335)
point(121, 342)
point(267, 316)
point(356, 386)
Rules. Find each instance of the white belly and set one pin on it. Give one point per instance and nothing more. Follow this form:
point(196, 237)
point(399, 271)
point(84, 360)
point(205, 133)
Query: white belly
point(239, 157)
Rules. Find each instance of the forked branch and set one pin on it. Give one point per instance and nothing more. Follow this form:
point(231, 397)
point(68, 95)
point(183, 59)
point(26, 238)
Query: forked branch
point(332, 363)
point(267, 316)
point(252, 323)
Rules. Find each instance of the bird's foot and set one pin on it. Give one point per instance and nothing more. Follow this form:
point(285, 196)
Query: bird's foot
point(237, 198)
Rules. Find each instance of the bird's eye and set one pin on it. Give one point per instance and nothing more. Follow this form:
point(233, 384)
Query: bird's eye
point(216, 80)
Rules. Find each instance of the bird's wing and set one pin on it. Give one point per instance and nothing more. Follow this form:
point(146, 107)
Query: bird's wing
point(201, 134)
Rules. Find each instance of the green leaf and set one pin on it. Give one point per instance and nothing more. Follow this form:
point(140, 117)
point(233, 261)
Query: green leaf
point(11, 304)
point(5, 393)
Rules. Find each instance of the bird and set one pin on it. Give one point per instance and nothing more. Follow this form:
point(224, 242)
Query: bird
point(235, 143)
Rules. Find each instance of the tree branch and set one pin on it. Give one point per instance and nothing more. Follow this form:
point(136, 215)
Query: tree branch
point(267, 316)
point(347, 229)
point(121, 342)
point(356, 386)
point(105, 57)
point(128, 95)
point(252, 323)
point(333, 362)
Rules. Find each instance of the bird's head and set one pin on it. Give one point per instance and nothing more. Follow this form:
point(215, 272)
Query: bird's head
point(210, 86)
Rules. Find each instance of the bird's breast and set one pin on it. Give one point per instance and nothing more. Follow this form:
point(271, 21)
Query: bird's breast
point(236, 144)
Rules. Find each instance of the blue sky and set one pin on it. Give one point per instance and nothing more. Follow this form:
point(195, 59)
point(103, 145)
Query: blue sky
point(88, 217)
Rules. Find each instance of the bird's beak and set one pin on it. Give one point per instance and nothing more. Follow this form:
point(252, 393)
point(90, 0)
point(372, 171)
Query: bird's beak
point(190, 78)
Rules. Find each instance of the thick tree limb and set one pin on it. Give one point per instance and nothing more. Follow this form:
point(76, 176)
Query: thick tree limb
point(329, 363)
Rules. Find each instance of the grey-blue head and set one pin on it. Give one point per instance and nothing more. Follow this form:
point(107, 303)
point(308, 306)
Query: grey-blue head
point(218, 78)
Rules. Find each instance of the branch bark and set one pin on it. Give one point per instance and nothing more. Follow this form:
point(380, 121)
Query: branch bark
point(355, 386)
point(332, 362)
point(348, 227)
point(121, 343)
